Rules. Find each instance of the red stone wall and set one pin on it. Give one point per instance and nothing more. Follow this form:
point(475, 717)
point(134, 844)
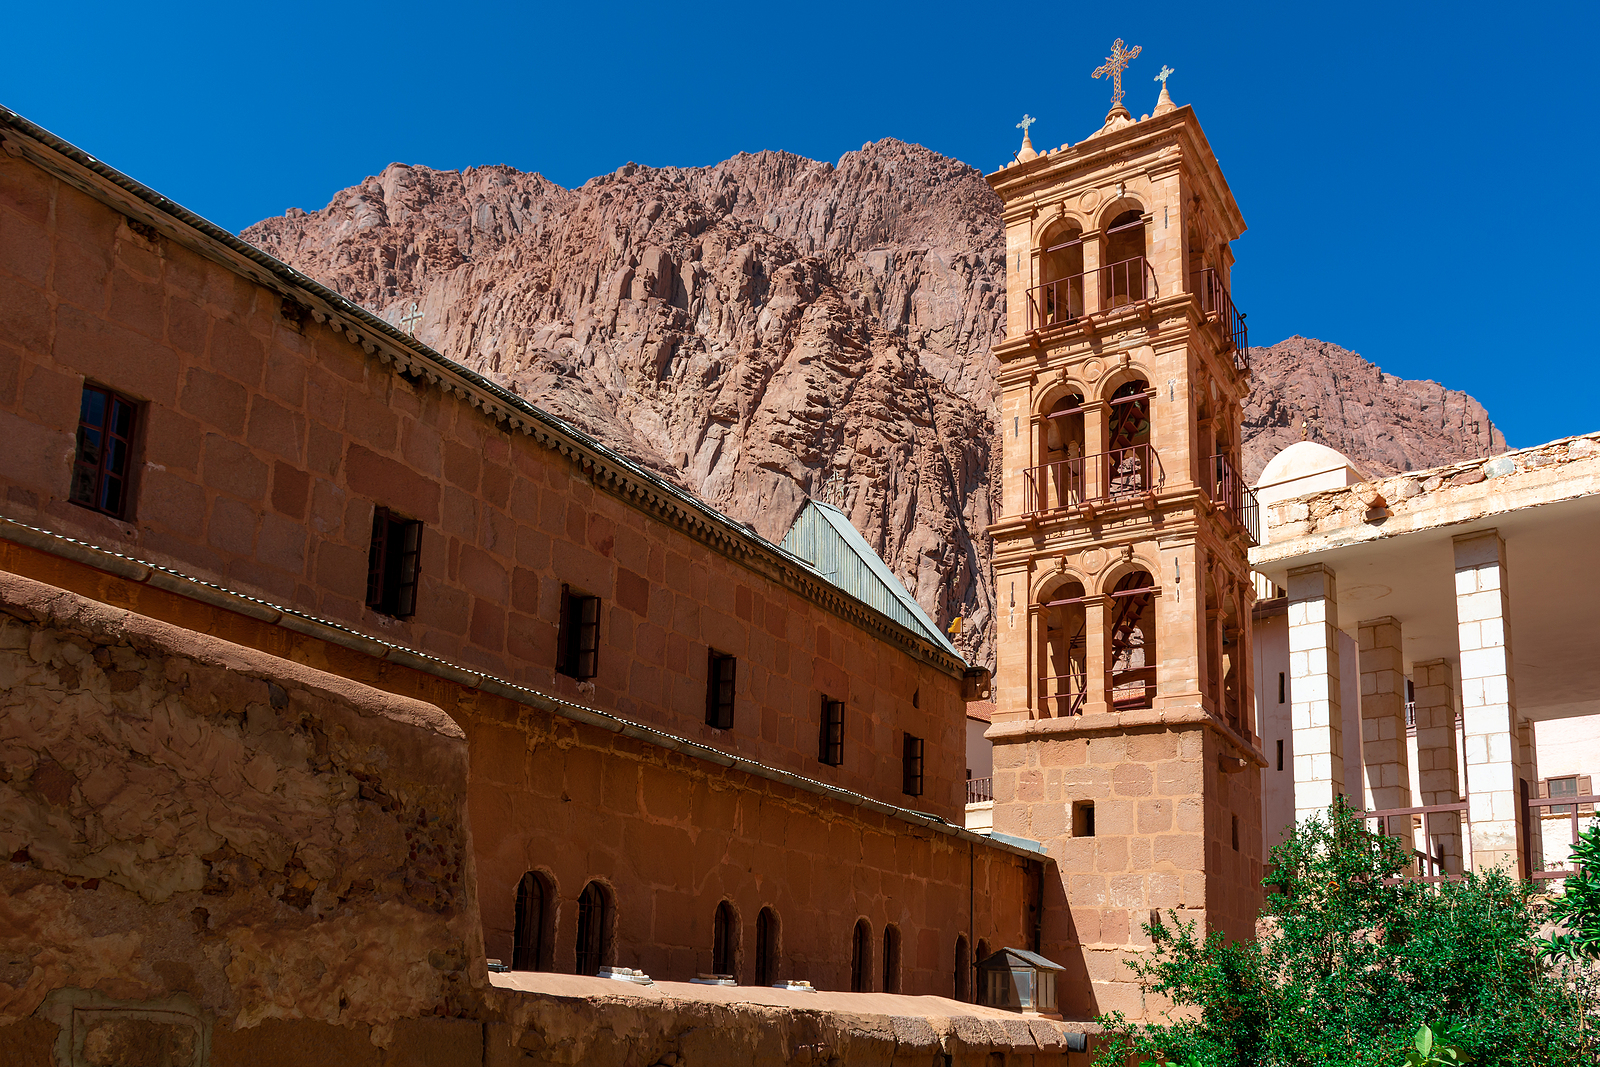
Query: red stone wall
point(267, 441)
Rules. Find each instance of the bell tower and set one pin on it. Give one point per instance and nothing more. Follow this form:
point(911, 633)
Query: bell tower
point(1124, 735)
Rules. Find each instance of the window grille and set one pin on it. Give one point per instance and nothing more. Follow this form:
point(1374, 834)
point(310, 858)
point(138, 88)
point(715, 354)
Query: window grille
point(911, 758)
point(393, 564)
point(891, 959)
point(528, 938)
point(830, 749)
point(720, 673)
point(724, 940)
point(592, 921)
point(766, 947)
point(861, 958)
point(103, 462)
point(579, 640)
point(1562, 787)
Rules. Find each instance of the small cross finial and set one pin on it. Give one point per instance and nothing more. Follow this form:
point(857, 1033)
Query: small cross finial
point(1166, 72)
point(1115, 64)
point(1027, 120)
point(410, 319)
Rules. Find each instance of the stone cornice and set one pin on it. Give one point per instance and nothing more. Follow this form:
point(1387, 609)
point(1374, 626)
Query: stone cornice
point(406, 355)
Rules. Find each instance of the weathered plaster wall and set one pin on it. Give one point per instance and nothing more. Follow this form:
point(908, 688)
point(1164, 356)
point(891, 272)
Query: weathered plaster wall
point(184, 815)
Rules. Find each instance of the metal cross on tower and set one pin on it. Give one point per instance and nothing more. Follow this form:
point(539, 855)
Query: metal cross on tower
point(410, 319)
point(1027, 120)
point(1166, 72)
point(1115, 64)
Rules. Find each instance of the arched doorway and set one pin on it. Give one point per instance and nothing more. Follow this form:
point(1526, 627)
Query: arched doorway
point(861, 958)
point(594, 928)
point(534, 897)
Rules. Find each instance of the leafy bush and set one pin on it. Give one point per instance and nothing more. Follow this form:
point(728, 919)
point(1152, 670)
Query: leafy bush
point(1352, 960)
point(1578, 906)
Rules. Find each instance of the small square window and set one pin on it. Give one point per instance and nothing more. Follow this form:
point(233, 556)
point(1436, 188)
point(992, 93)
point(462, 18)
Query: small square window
point(579, 638)
point(721, 671)
point(392, 564)
point(1083, 819)
point(1562, 787)
point(830, 747)
point(102, 465)
point(911, 758)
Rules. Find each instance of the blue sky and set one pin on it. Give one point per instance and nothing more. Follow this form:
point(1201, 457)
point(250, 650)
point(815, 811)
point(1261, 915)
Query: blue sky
point(1419, 180)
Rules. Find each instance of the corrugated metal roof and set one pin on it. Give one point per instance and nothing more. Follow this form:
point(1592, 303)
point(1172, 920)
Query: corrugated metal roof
point(825, 538)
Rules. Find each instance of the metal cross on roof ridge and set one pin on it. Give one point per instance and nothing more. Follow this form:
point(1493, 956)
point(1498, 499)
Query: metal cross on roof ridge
point(410, 319)
point(1115, 64)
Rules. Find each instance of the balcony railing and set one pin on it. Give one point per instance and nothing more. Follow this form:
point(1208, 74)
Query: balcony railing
point(1106, 288)
point(1229, 492)
point(1071, 694)
point(1214, 300)
point(980, 790)
point(1121, 474)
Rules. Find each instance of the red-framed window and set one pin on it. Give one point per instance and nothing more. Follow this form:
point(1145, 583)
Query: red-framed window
point(102, 468)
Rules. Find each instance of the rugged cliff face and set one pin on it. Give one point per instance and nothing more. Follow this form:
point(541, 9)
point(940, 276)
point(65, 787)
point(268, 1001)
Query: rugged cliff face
point(767, 329)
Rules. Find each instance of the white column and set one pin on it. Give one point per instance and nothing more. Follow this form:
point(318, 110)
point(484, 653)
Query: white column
point(1314, 714)
point(1383, 721)
point(1437, 781)
point(1489, 703)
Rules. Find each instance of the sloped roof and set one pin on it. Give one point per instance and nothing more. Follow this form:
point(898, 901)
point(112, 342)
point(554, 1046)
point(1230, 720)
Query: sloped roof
point(1004, 956)
point(835, 549)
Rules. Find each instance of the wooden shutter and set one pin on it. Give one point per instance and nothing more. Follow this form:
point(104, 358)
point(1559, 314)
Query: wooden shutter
point(1585, 789)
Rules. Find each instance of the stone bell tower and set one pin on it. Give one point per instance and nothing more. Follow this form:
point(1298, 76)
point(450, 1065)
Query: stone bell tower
point(1124, 738)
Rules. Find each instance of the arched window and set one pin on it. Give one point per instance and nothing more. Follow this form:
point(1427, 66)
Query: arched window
point(594, 928)
point(534, 897)
point(766, 947)
point(1063, 681)
point(963, 969)
point(1058, 481)
point(725, 940)
point(1130, 464)
point(891, 959)
point(1060, 294)
point(861, 958)
point(1133, 641)
point(1123, 278)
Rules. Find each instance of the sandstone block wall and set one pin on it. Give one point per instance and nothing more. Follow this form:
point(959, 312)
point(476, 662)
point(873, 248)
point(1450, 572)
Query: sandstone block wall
point(184, 817)
point(268, 440)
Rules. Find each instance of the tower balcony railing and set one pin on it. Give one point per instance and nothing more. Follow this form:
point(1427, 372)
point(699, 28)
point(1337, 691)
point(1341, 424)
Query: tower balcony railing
point(1066, 300)
point(980, 790)
point(1121, 474)
point(1061, 695)
point(1216, 304)
point(1237, 499)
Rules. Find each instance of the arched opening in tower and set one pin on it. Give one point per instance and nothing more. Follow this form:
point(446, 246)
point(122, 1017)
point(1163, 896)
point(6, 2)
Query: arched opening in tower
point(1133, 642)
point(1062, 288)
point(1063, 678)
point(1130, 461)
point(1125, 260)
point(1059, 480)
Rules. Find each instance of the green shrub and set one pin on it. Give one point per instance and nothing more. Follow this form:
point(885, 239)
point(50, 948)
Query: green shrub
point(1353, 960)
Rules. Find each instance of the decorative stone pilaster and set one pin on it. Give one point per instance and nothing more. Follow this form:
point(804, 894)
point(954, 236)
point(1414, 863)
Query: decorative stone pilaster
point(1383, 721)
point(1438, 782)
point(1314, 715)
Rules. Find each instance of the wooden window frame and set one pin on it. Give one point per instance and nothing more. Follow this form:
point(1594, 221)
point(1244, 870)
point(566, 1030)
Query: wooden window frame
point(113, 466)
point(722, 673)
point(578, 641)
point(912, 752)
point(830, 738)
point(394, 564)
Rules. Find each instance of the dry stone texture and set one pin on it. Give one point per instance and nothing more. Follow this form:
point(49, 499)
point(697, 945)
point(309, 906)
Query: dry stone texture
point(752, 328)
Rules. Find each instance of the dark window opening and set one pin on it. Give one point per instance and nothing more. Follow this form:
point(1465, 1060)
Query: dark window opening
point(1280, 687)
point(916, 698)
point(102, 466)
point(528, 943)
point(911, 758)
point(725, 940)
point(1280, 755)
point(963, 969)
point(720, 673)
point(393, 564)
point(1562, 787)
point(579, 639)
point(861, 958)
point(1236, 833)
point(594, 919)
point(766, 947)
point(891, 959)
point(1083, 819)
point(830, 746)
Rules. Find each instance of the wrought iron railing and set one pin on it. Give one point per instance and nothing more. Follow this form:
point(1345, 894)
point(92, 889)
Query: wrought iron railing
point(1066, 300)
point(1121, 474)
point(1073, 691)
point(1228, 491)
point(980, 790)
point(1215, 300)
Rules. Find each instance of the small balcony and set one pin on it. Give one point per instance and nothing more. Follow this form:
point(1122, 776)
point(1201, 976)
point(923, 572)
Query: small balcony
point(1067, 300)
point(1061, 695)
point(1233, 497)
point(1122, 474)
point(1217, 306)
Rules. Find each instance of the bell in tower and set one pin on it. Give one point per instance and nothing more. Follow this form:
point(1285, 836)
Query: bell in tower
point(1124, 736)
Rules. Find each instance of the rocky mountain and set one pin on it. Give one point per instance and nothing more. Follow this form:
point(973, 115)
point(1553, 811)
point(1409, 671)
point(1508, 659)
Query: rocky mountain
point(1312, 390)
point(775, 327)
